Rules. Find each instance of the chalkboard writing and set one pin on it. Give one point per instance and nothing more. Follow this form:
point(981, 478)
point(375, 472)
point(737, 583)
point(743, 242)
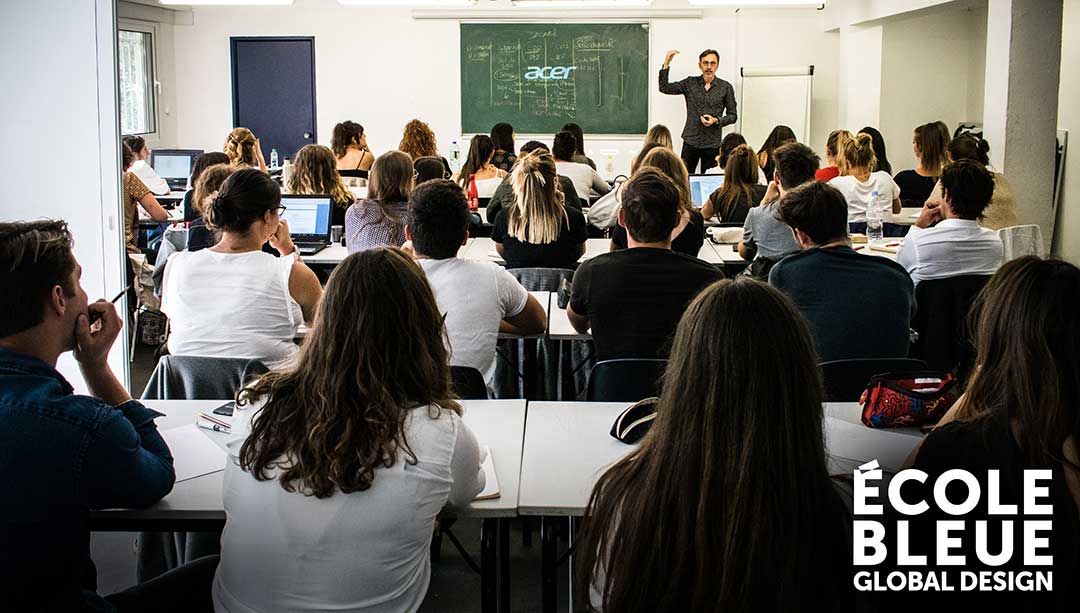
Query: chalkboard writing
point(540, 76)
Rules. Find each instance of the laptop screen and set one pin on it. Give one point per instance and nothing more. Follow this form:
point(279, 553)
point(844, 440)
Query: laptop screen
point(308, 216)
point(702, 186)
point(172, 166)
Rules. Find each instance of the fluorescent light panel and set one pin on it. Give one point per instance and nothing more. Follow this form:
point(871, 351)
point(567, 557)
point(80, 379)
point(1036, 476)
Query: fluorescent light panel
point(579, 3)
point(447, 3)
point(227, 2)
point(749, 4)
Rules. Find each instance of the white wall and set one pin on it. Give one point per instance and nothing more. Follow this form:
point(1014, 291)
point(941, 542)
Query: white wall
point(1067, 236)
point(860, 77)
point(372, 68)
point(55, 99)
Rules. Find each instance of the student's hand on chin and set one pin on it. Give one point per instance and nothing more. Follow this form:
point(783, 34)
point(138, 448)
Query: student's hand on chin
point(281, 240)
point(92, 343)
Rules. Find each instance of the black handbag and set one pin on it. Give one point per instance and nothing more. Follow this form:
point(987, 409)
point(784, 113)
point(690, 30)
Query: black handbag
point(633, 424)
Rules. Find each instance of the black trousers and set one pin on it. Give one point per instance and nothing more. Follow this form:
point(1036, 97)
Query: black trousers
point(691, 155)
point(185, 589)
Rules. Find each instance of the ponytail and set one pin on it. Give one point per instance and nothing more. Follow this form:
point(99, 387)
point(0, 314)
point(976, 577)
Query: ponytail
point(243, 199)
point(858, 152)
point(345, 134)
point(969, 147)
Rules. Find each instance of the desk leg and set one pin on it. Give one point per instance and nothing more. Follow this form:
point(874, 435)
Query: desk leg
point(488, 587)
point(528, 367)
point(504, 564)
point(549, 555)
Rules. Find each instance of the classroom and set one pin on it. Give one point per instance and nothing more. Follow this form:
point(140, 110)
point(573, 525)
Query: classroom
point(540, 305)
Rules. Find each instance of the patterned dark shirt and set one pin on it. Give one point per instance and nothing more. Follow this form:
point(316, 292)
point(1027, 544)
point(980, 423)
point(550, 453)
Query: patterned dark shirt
point(503, 160)
point(718, 101)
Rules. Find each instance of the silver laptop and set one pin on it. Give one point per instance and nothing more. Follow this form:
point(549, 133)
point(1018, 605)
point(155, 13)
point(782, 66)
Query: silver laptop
point(309, 221)
point(702, 186)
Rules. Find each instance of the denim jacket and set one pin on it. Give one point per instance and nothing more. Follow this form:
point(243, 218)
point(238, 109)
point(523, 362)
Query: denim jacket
point(60, 456)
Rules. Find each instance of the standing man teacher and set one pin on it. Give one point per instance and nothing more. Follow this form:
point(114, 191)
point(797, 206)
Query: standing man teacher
point(710, 105)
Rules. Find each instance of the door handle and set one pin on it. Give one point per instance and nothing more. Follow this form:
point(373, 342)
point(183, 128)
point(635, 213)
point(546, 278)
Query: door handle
point(307, 134)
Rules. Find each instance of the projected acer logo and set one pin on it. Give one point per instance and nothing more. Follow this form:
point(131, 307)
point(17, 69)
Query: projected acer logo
point(548, 73)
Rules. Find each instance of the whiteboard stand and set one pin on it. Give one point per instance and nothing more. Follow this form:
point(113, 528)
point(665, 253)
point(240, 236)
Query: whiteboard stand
point(771, 96)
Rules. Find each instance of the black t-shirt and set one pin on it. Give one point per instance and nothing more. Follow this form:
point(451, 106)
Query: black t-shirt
point(562, 253)
point(688, 241)
point(634, 298)
point(742, 204)
point(914, 188)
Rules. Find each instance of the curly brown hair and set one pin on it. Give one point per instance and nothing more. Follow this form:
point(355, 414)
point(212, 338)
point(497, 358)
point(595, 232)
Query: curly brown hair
point(315, 173)
point(340, 413)
point(418, 140)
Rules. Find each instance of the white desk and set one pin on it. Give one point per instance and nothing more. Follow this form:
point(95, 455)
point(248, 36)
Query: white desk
point(559, 327)
point(333, 254)
point(544, 298)
point(906, 216)
point(888, 243)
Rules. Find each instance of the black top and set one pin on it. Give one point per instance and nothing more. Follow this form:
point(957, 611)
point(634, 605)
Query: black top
point(355, 172)
point(718, 101)
point(858, 306)
point(504, 194)
point(200, 236)
point(634, 298)
point(563, 253)
point(337, 212)
point(978, 446)
point(503, 160)
point(742, 205)
point(914, 188)
point(688, 241)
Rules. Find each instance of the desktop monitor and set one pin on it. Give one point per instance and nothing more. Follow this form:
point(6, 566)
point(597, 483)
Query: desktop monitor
point(174, 165)
point(308, 217)
point(702, 186)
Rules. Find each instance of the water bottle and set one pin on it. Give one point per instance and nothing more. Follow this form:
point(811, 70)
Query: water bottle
point(273, 158)
point(874, 223)
point(611, 165)
point(455, 155)
point(474, 198)
point(286, 172)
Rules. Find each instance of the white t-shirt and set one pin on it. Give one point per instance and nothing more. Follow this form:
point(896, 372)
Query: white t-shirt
point(586, 180)
point(485, 188)
point(231, 305)
point(150, 178)
point(952, 248)
point(474, 296)
point(363, 551)
point(857, 193)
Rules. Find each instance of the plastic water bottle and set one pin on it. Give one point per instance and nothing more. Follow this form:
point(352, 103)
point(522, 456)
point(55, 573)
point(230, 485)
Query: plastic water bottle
point(273, 158)
point(286, 172)
point(875, 230)
point(455, 155)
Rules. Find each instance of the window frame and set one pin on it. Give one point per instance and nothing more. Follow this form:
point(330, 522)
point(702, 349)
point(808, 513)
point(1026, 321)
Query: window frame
point(155, 85)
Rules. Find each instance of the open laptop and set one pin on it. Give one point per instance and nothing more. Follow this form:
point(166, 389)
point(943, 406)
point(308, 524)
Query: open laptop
point(309, 221)
point(174, 165)
point(702, 186)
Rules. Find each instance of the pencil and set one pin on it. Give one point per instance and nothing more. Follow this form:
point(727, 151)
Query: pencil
point(96, 316)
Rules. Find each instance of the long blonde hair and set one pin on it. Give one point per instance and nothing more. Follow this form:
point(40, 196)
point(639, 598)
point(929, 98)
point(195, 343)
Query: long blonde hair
point(538, 210)
point(240, 147)
point(657, 136)
point(316, 173)
point(834, 146)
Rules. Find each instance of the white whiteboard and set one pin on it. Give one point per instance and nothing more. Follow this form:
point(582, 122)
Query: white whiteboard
point(775, 96)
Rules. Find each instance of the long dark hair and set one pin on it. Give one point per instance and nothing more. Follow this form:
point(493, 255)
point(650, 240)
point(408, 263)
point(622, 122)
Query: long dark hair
point(480, 151)
point(878, 142)
point(339, 414)
point(502, 135)
point(579, 137)
point(1027, 332)
point(740, 178)
point(727, 504)
point(931, 141)
point(780, 135)
point(345, 133)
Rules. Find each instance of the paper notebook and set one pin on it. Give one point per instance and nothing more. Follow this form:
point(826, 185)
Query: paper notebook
point(889, 248)
point(194, 455)
point(491, 481)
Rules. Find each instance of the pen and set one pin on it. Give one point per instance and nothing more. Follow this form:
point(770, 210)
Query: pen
point(214, 427)
point(96, 316)
point(214, 420)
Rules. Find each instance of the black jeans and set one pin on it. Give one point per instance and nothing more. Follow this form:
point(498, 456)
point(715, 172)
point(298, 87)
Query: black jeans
point(183, 589)
point(691, 155)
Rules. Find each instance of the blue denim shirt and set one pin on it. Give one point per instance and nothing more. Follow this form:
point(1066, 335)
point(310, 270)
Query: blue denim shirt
point(60, 456)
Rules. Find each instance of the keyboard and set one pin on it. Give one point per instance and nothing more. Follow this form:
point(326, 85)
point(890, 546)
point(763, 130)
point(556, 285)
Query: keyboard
point(310, 248)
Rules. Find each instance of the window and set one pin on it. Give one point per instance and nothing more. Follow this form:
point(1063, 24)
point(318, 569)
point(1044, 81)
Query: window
point(136, 55)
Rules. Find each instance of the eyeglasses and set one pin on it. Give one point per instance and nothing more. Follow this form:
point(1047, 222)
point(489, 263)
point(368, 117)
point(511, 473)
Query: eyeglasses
point(280, 209)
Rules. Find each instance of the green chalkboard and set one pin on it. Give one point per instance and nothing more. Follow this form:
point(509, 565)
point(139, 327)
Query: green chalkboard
point(538, 76)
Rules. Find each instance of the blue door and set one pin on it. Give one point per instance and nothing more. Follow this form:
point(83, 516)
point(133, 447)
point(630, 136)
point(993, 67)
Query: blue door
point(273, 91)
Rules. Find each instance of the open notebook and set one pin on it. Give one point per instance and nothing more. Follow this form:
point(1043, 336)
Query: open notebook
point(491, 481)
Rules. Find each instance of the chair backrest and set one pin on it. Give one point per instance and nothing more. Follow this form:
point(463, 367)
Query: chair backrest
point(1022, 240)
point(941, 320)
point(845, 380)
point(468, 383)
point(542, 279)
point(189, 377)
point(625, 380)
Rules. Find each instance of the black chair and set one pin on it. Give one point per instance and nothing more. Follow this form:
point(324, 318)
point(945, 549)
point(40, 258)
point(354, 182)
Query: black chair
point(625, 380)
point(941, 321)
point(468, 383)
point(845, 380)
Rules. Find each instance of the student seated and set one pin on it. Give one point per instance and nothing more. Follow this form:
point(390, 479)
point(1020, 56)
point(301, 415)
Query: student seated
point(234, 300)
point(929, 145)
point(419, 141)
point(957, 244)
point(479, 299)
point(429, 167)
point(860, 179)
point(858, 306)
point(833, 148)
point(504, 194)
point(314, 174)
point(502, 136)
point(689, 234)
point(767, 240)
point(579, 145)
point(1019, 413)
point(633, 298)
point(878, 142)
point(686, 522)
point(244, 150)
point(144, 171)
point(778, 137)
point(352, 157)
point(1001, 212)
point(657, 136)
point(537, 229)
point(63, 454)
point(478, 167)
point(201, 236)
point(740, 191)
point(728, 144)
point(204, 161)
point(379, 219)
point(331, 498)
point(137, 195)
point(586, 180)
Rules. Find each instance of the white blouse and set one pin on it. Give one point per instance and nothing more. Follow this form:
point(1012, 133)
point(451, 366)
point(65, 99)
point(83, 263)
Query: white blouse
point(364, 551)
point(150, 178)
